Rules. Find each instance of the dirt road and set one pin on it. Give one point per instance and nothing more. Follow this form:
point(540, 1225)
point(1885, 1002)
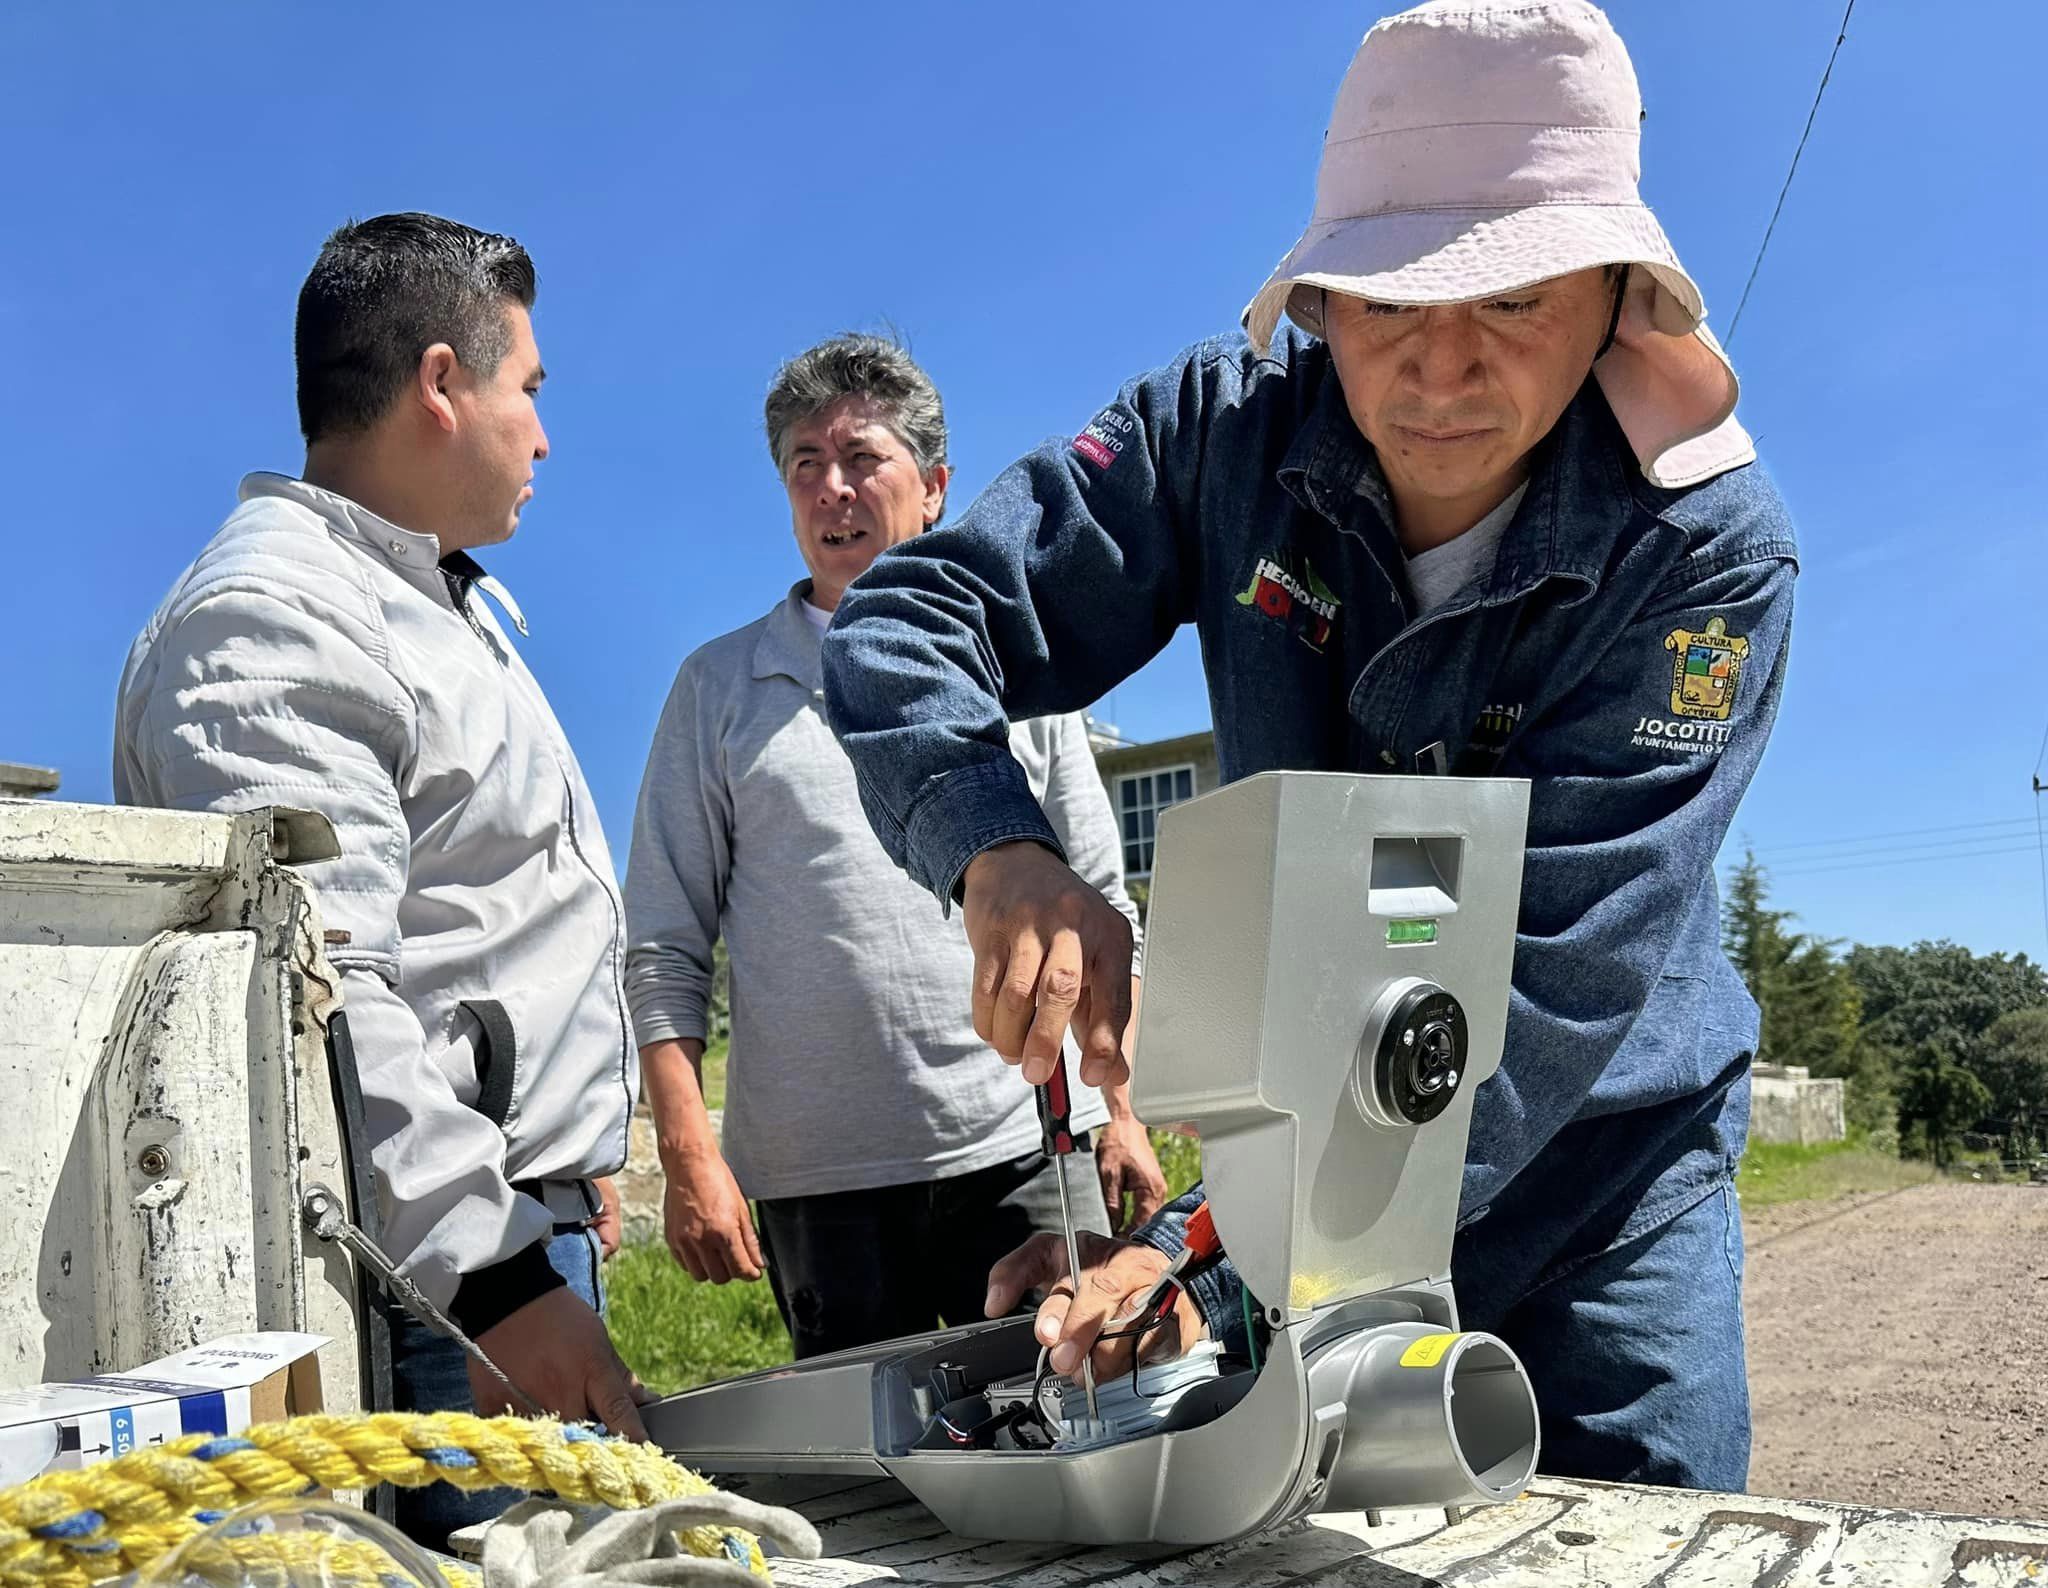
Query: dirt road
point(1898, 1348)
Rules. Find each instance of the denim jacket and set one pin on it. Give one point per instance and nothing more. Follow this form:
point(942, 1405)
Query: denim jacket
point(1625, 653)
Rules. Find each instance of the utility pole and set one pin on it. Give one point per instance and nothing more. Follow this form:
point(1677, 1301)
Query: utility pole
point(2041, 835)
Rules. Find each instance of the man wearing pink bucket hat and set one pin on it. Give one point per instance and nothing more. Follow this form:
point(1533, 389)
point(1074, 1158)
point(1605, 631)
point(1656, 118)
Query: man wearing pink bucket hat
point(1481, 508)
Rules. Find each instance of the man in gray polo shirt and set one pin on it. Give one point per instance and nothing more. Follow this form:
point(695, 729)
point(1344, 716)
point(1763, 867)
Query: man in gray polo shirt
point(892, 1155)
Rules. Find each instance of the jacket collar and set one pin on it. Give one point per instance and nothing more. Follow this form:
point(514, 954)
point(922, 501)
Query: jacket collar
point(1328, 461)
point(789, 643)
point(1578, 506)
point(414, 557)
point(465, 569)
point(407, 551)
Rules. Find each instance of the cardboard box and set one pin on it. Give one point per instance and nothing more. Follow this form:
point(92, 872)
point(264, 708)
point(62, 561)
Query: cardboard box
point(220, 1387)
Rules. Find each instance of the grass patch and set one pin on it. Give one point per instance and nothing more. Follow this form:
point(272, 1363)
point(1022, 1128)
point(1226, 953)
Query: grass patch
point(1180, 1160)
point(674, 1332)
point(713, 1073)
point(1774, 1172)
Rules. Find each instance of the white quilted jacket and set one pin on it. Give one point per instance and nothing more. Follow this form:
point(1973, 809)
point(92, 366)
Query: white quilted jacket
point(315, 655)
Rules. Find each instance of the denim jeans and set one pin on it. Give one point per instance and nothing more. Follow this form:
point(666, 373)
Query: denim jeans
point(1625, 1308)
point(430, 1374)
point(1635, 1348)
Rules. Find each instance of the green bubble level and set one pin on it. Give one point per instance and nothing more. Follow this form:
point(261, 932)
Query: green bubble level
point(1411, 931)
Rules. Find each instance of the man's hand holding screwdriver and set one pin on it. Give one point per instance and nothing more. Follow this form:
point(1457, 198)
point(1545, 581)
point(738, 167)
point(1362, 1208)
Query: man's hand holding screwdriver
point(1049, 952)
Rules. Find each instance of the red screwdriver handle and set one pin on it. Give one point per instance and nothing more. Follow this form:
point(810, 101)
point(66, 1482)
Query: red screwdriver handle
point(1055, 1114)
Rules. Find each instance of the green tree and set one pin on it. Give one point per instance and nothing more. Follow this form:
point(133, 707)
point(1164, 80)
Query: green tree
point(2015, 1072)
point(1938, 1100)
point(1812, 1010)
point(1752, 933)
point(1944, 994)
point(1870, 1101)
point(1815, 1013)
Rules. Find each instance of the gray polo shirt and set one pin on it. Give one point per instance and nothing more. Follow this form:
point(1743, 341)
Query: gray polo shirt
point(854, 1060)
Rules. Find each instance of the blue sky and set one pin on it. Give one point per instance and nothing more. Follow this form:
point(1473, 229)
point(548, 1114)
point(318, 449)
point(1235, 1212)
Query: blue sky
point(1046, 200)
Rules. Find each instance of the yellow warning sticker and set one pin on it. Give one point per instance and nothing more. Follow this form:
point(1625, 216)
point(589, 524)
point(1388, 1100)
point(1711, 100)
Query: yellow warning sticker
point(1427, 1351)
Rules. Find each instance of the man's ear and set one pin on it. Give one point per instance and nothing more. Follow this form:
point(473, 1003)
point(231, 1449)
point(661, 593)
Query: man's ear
point(935, 484)
point(438, 367)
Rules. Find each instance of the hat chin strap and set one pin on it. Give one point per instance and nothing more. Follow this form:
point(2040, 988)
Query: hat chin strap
point(1614, 319)
point(1674, 398)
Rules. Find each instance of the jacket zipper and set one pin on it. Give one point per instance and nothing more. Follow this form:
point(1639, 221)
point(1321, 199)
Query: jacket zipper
point(618, 972)
point(459, 590)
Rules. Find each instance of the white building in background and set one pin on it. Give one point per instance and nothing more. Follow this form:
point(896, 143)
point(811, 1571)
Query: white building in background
point(1143, 779)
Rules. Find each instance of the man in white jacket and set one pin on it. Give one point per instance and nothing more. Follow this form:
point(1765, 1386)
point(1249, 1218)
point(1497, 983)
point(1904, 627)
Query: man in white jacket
point(330, 649)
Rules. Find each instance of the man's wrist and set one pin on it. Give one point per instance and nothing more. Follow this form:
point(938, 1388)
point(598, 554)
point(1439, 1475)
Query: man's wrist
point(683, 1131)
point(967, 812)
point(689, 1152)
point(993, 853)
point(488, 1296)
point(675, 1097)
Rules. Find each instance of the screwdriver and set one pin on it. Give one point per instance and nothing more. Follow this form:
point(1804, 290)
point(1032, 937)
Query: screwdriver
point(1055, 1124)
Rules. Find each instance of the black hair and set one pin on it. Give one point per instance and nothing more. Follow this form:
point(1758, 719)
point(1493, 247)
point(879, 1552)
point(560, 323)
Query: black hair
point(385, 290)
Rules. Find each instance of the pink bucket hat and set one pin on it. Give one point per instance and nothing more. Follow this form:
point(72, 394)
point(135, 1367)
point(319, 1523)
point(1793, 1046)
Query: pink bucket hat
point(1477, 149)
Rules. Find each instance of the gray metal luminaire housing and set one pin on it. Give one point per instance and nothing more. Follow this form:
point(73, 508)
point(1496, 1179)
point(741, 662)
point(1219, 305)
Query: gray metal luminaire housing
point(1326, 983)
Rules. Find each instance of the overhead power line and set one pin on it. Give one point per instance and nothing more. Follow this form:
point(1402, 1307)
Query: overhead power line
point(1853, 839)
point(1876, 864)
point(1841, 37)
point(1895, 851)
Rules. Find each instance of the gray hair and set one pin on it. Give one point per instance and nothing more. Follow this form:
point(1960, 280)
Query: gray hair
point(858, 365)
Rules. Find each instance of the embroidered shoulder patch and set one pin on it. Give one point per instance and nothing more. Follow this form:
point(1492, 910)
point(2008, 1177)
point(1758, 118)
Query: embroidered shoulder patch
point(1106, 435)
point(1706, 670)
point(1706, 673)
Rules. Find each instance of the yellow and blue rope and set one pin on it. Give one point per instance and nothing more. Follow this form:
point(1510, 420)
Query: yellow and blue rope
point(71, 1529)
